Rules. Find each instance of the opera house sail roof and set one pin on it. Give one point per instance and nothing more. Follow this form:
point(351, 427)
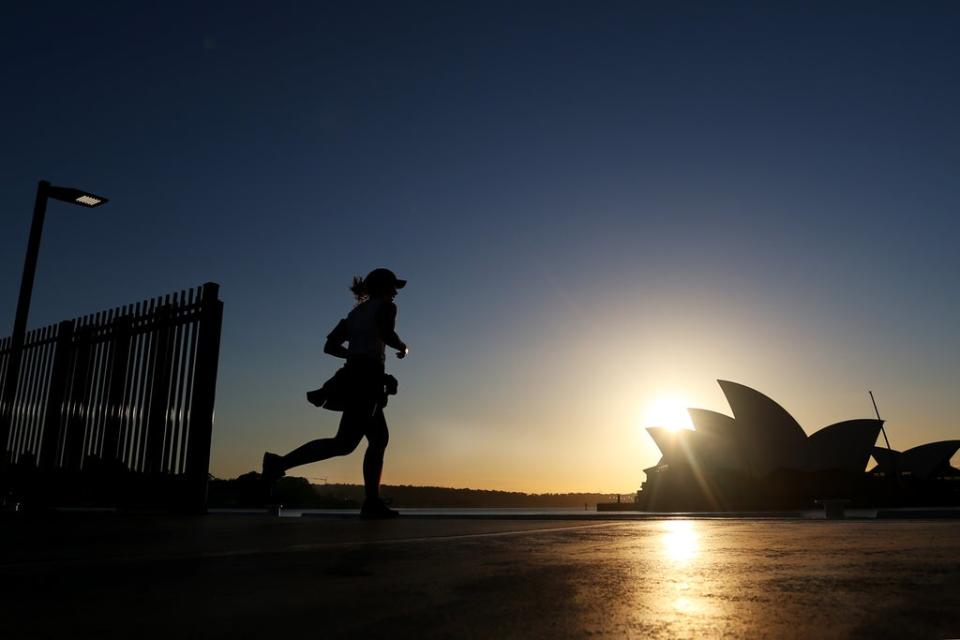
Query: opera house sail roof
point(920, 462)
point(762, 437)
point(761, 458)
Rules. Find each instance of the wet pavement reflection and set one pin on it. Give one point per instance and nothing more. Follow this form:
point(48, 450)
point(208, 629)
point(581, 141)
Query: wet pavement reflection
point(680, 542)
point(703, 578)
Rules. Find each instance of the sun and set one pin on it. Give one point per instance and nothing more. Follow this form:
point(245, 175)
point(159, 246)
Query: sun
point(668, 411)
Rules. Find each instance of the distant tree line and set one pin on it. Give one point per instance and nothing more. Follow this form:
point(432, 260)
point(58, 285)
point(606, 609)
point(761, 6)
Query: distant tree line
point(294, 492)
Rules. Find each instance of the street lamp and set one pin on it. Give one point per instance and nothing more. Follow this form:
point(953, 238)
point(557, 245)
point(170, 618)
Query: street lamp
point(45, 190)
point(76, 196)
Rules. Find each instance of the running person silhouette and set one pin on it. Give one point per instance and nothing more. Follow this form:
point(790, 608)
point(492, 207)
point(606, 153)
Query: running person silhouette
point(357, 389)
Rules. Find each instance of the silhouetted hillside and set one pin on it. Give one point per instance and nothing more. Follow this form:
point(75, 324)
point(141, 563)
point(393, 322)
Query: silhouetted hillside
point(299, 493)
point(415, 496)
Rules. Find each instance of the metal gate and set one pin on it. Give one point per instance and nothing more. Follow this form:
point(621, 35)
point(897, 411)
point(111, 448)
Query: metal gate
point(115, 408)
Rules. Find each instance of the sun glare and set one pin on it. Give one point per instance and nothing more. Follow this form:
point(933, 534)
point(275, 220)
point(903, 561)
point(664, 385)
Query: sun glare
point(680, 540)
point(668, 411)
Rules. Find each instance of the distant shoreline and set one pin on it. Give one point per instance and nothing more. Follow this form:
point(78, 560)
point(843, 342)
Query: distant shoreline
point(299, 492)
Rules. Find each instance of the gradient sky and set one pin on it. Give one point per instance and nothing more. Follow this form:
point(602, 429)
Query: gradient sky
point(598, 206)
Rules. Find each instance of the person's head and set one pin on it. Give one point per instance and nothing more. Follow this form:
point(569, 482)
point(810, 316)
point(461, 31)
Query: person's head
point(379, 283)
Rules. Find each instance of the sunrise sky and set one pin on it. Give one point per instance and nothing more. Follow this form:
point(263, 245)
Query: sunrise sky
point(601, 208)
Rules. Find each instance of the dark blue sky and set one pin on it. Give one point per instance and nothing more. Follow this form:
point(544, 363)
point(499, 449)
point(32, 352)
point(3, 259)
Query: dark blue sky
point(595, 203)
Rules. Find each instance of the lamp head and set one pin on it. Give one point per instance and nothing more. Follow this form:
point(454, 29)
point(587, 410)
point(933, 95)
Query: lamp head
point(75, 196)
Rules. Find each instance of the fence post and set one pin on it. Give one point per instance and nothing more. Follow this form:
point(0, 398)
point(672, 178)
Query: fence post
point(120, 335)
point(203, 398)
point(76, 406)
point(6, 397)
point(160, 389)
point(56, 410)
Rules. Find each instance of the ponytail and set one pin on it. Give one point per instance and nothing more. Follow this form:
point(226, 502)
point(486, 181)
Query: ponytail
point(359, 289)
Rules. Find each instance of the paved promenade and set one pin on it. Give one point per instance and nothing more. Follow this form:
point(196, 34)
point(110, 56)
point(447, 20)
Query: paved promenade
point(234, 576)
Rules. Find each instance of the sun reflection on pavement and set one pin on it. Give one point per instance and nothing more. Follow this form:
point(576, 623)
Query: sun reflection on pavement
point(680, 540)
point(680, 547)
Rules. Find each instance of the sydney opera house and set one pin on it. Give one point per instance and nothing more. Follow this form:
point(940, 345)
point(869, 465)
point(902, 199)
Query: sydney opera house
point(761, 458)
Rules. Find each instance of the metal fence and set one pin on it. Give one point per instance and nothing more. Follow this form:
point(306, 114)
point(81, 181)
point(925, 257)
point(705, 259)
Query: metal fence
point(115, 407)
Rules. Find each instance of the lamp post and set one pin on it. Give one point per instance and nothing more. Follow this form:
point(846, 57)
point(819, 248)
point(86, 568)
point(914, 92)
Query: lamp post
point(45, 190)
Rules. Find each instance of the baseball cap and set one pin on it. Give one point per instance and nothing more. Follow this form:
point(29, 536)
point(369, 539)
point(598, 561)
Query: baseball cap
point(381, 276)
